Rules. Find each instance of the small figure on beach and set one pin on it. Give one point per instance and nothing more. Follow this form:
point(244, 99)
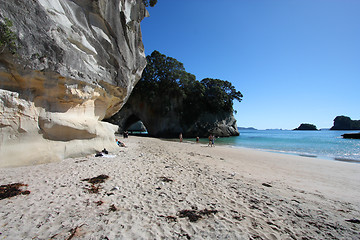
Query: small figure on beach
point(120, 144)
point(211, 140)
point(126, 134)
point(197, 139)
point(181, 137)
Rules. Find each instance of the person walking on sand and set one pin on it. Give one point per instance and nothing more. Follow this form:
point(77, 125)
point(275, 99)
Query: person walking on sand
point(210, 140)
point(197, 139)
point(181, 137)
point(213, 141)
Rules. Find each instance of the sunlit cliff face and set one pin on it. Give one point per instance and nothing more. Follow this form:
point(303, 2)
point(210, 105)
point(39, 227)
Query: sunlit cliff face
point(76, 64)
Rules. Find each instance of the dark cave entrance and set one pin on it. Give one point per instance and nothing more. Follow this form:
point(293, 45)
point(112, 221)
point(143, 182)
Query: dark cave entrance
point(134, 125)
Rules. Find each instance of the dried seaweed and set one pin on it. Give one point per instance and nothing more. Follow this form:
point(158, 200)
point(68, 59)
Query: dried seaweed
point(112, 208)
point(73, 232)
point(166, 179)
point(99, 203)
point(207, 212)
point(95, 183)
point(194, 215)
point(266, 185)
point(93, 188)
point(190, 214)
point(11, 190)
point(95, 180)
point(357, 221)
point(169, 218)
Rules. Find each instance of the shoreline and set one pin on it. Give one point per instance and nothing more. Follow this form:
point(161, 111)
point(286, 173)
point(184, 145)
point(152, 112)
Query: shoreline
point(286, 152)
point(162, 189)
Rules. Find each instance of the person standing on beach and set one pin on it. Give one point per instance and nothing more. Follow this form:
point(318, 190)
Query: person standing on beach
point(210, 140)
point(197, 139)
point(213, 141)
point(181, 137)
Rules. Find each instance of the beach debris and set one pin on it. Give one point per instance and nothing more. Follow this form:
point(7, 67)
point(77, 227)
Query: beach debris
point(194, 215)
point(73, 232)
point(99, 203)
point(238, 218)
point(99, 179)
point(166, 179)
point(183, 235)
point(105, 151)
point(12, 190)
point(112, 208)
point(79, 161)
point(266, 185)
point(93, 188)
point(190, 214)
point(95, 183)
point(357, 221)
point(169, 218)
point(115, 188)
point(98, 154)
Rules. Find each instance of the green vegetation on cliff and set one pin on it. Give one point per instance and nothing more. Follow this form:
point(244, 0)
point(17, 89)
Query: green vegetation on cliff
point(7, 37)
point(345, 123)
point(165, 80)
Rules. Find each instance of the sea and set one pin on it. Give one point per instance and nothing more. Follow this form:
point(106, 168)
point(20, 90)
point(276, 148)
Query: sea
point(324, 144)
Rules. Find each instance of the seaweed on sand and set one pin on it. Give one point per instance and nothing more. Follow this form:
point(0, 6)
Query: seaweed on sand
point(194, 215)
point(190, 214)
point(166, 179)
point(353, 220)
point(11, 190)
point(112, 208)
point(99, 179)
point(95, 183)
point(169, 218)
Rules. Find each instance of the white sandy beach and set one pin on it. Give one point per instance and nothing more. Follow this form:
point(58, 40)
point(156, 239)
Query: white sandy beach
point(231, 194)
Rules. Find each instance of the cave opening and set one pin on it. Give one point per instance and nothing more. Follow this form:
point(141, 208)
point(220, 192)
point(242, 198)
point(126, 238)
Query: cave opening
point(135, 126)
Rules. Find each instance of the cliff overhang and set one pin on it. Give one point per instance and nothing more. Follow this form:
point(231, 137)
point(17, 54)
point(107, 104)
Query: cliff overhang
point(76, 64)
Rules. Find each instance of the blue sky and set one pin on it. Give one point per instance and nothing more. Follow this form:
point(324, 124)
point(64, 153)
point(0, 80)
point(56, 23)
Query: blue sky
point(295, 61)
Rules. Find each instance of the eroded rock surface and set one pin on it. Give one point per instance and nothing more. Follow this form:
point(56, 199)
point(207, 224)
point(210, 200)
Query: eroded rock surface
point(171, 123)
point(77, 63)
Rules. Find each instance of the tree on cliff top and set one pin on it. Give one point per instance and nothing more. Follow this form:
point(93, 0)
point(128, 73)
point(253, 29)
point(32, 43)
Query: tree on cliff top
point(164, 80)
point(150, 3)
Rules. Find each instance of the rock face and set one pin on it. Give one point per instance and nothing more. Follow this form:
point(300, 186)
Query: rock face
point(345, 123)
point(77, 63)
point(351, 135)
point(306, 126)
point(170, 124)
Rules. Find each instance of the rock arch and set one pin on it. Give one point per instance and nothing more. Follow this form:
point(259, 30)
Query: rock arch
point(130, 121)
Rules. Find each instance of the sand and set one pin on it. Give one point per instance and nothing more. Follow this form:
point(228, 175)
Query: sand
point(227, 193)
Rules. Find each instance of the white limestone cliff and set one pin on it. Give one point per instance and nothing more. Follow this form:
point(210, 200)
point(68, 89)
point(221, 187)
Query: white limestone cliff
point(77, 63)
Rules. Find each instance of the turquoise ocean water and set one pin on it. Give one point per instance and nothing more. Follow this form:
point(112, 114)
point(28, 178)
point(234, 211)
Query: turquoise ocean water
point(318, 144)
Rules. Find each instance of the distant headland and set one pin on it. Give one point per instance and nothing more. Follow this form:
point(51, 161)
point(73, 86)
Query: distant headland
point(345, 123)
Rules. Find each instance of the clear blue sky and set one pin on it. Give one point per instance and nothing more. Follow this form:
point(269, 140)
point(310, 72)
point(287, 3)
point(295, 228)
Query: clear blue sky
point(295, 61)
